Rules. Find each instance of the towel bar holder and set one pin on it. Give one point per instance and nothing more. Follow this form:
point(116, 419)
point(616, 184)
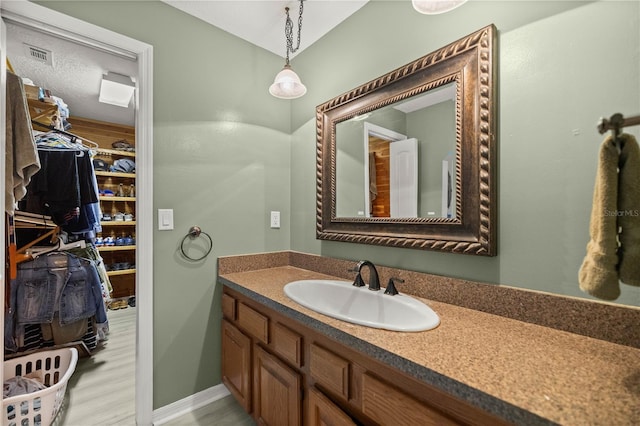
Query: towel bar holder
point(195, 232)
point(617, 122)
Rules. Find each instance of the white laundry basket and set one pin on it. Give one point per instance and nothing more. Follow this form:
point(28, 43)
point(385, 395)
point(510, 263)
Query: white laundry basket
point(39, 408)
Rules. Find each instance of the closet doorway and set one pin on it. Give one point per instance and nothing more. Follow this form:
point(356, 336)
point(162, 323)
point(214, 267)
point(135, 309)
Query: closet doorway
point(54, 24)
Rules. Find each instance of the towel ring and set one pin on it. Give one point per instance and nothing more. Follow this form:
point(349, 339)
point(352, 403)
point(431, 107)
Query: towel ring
point(195, 232)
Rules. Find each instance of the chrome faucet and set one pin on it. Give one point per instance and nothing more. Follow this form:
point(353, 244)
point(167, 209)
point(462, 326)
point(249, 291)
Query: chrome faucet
point(374, 281)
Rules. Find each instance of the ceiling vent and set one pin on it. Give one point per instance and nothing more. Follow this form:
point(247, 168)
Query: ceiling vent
point(39, 54)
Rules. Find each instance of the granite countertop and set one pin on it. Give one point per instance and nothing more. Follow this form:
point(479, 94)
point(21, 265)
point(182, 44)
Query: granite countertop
point(525, 373)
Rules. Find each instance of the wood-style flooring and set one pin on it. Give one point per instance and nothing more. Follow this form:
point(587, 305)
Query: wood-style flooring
point(224, 412)
point(101, 391)
point(102, 388)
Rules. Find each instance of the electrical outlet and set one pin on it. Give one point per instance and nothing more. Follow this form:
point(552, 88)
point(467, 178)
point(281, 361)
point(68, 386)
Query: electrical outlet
point(275, 220)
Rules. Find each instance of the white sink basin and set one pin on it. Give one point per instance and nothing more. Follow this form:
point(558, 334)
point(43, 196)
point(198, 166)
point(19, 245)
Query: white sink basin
point(359, 305)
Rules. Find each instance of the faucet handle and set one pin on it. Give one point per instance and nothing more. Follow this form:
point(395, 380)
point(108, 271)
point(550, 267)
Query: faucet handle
point(391, 288)
point(358, 282)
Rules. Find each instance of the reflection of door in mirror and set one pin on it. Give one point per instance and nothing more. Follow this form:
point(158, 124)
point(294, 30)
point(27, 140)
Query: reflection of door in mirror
point(392, 176)
point(430, 118)
point(403, 183)
point(377, 169)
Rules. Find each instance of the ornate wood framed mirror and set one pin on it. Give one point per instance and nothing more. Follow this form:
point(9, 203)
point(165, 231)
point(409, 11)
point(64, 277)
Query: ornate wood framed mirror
point(409, 159)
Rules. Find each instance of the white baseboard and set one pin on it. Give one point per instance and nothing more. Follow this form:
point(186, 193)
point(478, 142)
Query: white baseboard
point(191, 403)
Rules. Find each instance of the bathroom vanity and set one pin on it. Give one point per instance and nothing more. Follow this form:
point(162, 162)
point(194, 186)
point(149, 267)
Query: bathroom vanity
point(275, 366)
point(288, 365)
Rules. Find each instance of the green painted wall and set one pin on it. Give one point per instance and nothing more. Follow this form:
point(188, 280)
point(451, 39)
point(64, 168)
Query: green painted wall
point(221, 161)
point(561, 67)
point(226, 153)
point(224, 177)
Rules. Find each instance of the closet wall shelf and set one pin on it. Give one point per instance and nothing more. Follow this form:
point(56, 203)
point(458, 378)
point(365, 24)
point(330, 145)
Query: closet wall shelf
point(105, 151)
point(106, 135)
point(121, 272)
point(110, 198)
point(116, 248)
point(116, 174)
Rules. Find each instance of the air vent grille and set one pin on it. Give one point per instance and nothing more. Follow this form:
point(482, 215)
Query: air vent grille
point(39, 54)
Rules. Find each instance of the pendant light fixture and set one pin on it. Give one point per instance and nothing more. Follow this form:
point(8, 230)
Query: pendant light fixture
point(287, 84)
point(435, 7)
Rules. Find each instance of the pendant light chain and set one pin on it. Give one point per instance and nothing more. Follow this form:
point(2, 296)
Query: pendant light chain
point(287, 84)
point(288, 31)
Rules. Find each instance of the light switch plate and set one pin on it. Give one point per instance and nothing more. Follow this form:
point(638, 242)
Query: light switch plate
point(165, 219)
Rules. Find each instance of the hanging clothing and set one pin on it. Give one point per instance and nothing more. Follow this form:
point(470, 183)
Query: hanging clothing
point(65, 187)
point(21, 157)
point(91, 253)
point(58, 285)
point(36, 336)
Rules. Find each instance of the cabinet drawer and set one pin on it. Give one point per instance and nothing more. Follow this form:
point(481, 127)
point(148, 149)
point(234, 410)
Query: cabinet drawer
point(229, 307)
point(253, 322)
point(386, 405)
point(329, 370)
point(287, 344)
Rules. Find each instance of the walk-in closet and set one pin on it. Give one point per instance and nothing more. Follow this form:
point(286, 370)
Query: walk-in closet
point(70, 210)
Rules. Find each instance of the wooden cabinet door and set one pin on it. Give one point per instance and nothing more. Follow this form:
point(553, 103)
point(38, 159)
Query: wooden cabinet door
point(236, 364)
point(277, 390)
point(323, 412)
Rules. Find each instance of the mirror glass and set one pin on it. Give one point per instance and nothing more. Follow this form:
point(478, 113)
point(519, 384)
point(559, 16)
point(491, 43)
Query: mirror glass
point(399, 161)
point(407, 159)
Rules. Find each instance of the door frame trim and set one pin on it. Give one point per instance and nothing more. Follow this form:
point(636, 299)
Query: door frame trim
point(63, 25)
point(371, 129)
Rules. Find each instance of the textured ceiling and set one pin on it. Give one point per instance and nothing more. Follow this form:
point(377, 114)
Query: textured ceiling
point(76, 70)
point(74, 75)
point(261, 22)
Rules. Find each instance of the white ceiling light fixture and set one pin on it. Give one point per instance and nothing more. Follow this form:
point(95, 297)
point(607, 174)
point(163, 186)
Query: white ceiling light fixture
point(435, 7)
point(287, 84)
point(116, 89)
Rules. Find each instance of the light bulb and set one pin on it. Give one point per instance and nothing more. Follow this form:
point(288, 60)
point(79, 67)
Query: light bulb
point(435, 7)
point(287, 84)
